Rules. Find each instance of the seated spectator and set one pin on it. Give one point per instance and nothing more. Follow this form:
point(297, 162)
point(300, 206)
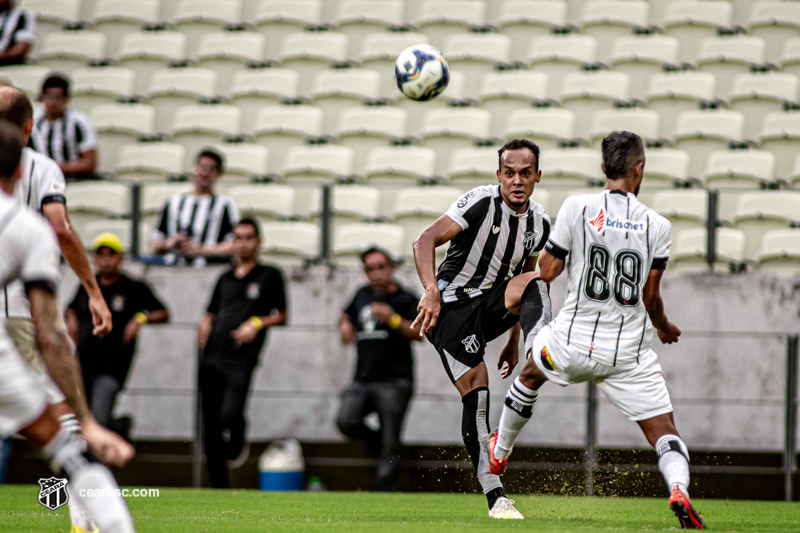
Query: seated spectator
point(197, 227)
point(17, 33)
point(105, 361)
point(65, 135)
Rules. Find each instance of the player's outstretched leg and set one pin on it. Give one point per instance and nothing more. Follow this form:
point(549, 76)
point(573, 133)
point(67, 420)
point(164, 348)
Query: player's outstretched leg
point(673, 463)
point(78, 516)
point(517, 410)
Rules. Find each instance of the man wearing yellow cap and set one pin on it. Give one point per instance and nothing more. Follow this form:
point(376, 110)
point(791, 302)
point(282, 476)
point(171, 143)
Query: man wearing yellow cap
point(105, 361)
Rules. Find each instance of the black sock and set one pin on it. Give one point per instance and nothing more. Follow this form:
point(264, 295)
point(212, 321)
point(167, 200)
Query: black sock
point(473, 434)
point(535, 312)
point(469, 424)
point(493, 495)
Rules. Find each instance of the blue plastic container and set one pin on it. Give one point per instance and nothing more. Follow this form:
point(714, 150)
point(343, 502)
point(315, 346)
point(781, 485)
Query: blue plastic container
point(281, 467)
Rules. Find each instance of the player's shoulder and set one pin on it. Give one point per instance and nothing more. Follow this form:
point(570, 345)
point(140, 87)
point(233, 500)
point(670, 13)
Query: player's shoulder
point(477, 194)
point(78, 115)
point(537, 209)
point(656, 220)
point(26, 225)
point(39, 163)
point(577, 202)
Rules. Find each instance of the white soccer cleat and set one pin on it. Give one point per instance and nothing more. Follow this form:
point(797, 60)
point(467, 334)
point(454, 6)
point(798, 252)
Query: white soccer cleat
point(504, 510)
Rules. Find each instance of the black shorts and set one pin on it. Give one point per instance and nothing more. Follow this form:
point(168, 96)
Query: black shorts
point(464, 328)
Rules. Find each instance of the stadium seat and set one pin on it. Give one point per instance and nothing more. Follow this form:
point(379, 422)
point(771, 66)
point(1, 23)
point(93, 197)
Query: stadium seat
point(689, 250)
point(172, 88)
point(558, 56)
point(780, 134)
point(471, 167)
point(684, 208)
point(780, 251)
point(118, 125)
point(547, 126)
point(701, 132)
point(453, 95)
point(267, 202)
point(439, 19)
point(52, 15)
point(571, 167)
point(523, 20)
point(275, 19)
point(793, 177)
point(475, 55)
point(672, 93)
point(725, 57)
point(790, 58)
point(774, 21)
point(502, 93)
point(746, 169)
point(310, 52)
point(29, 78)
point(117, 18)
point(92, 200)
point(199, 126)
point(606, 20)
point(665, 167)
point(691, 21)
point(755, 95)
point(349, 204)
point(399, 165)
point(94, 228)
point(640, 57)
point(290, 244)
point(366, 128)
point(244, 162)
point(379, 52)
point(359, 18)
point(228, 53)
point(149, 51)
point(100, 85)
point(760, 212)
point(586, 93)
point(150, 161)
point(317, 164)
point(446, 130)
point(336, 90)
point(416, 208)
point(195, 18)
point(253, 89)
point(280, 128)
point(350, 240)
point(67, 51)
point(644, 122)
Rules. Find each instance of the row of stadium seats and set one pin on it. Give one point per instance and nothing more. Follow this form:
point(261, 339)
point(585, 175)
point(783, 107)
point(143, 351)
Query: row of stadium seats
point(519, 19)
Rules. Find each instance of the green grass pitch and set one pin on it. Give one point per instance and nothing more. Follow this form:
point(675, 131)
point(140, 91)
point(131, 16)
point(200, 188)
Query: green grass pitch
point(187, 510)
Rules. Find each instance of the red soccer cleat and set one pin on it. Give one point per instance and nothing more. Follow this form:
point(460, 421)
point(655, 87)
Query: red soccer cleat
point(682, 507)
point(496, 466)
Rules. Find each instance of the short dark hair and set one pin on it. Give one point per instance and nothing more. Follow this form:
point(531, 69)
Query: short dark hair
point(622, 150)
point(373, 249)
point(516, 144)
point(15, 106)
point(249, 222)
point(10, 149)
point(211, 154)
point(56, 81)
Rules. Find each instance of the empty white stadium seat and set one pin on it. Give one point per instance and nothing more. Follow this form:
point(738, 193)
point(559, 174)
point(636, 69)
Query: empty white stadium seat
point(470, 167)
point(117, 18)
point(755, 95)
point(453, 95)
point(199, 126)
point(684, 208)
point(172, 88)
point(348, 204)
point(760, 212)
point(446, 130)
point(154, 161)
point(642, 57)
point(573, 167)
point(780, 134)
point(93, 229)
point(366, 128)
point(780, 251)
point(317, 164)
point(665, 167)
point(774, 21)
point(725, 57)
point(438, 19)
point(416, 208)
point(93, 200)
point(280, 128)
point(52, 15)
point(586, 93)
point(476, 55)
point(359, 18)
point(67, 51)
point(155, 195)
point(351, 240)
point(149, 51)
point(400, 165)
point(379, 52)
point(267, 202)
point(523, 20)
point(195, 18)
point(337, 90)
point(243, 161)
point(706, 131)
point(547, 127)
point(793, 177)
point(275, 19)
point(689, 250)
point(643, 122)
point(691, 21)
point(252, 89)
point(290, 244)
point(100, 85)
point(558, 56)
point(118, 125)
point(739, 169)
point(606, 20)
point(228, 53)
point(790, 58)
point(311, 52)
point(505, 92)
point(672, 93)
point(28, 78)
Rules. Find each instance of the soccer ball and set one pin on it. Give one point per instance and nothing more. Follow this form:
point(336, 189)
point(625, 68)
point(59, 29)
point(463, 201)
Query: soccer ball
point(422, 72)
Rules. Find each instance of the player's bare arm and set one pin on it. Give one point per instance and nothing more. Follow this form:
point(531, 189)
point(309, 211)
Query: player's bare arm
point(438, 233)
point(667, 331)
point(72, 248)
point(550, 267)
point(131, 332)
point(85, 164)
point(248, 331)
point(384, 313)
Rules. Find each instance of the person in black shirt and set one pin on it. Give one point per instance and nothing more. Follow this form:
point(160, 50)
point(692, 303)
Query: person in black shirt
point(247, 301)
point(105, 361)
point(378, 321)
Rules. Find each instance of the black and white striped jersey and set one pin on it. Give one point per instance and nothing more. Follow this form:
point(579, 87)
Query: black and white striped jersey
point(613, 241)
point(494, 244)
point(17, 25)
point(66, 138)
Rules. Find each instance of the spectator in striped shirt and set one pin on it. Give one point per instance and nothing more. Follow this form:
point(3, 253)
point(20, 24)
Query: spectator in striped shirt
point(65, 135)
point(17, 33)
point(197, 227)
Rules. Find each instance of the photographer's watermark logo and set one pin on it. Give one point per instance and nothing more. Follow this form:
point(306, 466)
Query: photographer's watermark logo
point(53, 492)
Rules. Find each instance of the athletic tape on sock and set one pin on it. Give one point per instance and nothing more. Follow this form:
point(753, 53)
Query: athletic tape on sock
point(521, 399)
point(667, 443)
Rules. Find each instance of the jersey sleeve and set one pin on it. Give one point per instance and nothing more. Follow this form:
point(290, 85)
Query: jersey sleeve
point(470, 208)
point(87, 133)
point(52, 186)
point(41, 255)
point(213, 305)
point(560, 241)
point(149, 301)
point(662, 242)
point(25, 30)
point(230, 217)
point(161, 226)
point(274, 297)
point(351, 310)
point(543, 236)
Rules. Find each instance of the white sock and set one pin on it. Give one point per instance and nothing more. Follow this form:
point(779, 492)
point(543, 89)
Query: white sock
point(517, 411)
point(102, 498)
point(673, 462)
point(78, 516)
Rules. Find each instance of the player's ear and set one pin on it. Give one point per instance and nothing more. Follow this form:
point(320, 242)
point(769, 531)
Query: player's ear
point(539, 176)
point(603, 168)
point(498, 175)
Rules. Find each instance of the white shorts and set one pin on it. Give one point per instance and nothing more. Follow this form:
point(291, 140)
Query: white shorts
point(22, 399)
point(23, 334)
point(640, 392)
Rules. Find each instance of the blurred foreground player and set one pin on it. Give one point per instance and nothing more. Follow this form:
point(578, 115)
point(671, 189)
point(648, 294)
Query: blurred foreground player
point(495, 234)
point(248, 299)
point(618, 250)
point(30, 255)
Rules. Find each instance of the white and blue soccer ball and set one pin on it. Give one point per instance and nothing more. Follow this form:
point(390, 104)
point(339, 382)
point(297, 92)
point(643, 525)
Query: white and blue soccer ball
point(422, 72)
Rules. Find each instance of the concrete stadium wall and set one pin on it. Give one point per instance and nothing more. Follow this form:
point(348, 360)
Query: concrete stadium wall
point(726, 375)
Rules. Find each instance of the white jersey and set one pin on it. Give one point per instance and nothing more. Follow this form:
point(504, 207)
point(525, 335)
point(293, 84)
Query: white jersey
point(613, 241)
point(42, 182)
